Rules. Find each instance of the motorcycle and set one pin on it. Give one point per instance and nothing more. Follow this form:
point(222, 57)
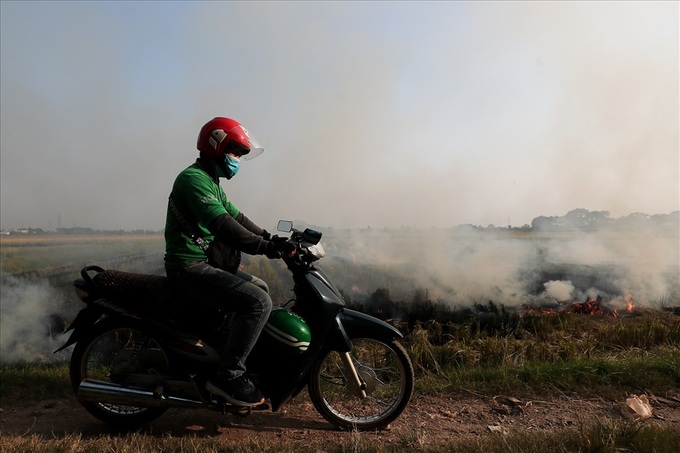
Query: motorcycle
point(140, 350)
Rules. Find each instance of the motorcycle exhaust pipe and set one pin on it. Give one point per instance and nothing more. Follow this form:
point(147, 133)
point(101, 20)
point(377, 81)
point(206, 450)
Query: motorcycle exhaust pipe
point(108, 392)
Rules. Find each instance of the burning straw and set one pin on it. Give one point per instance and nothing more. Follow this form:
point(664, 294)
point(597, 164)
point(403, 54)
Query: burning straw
point(589, 307)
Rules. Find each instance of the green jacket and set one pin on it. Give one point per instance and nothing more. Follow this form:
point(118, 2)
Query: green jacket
point(201, 200)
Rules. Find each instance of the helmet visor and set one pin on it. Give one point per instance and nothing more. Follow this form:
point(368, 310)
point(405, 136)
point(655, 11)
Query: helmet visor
point(255, 147)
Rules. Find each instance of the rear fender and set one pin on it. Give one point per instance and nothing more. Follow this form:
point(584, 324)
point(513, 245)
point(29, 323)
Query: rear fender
point(85, 319)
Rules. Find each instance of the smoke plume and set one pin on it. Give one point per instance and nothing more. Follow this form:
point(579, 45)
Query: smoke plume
point(31, 323)
point(460, 267)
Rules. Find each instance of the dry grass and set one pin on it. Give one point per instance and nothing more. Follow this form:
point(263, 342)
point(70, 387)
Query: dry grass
point(606, 436)
point(588, 355)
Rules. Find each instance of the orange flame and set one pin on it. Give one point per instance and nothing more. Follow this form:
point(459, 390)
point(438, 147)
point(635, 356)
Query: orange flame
point(629, 303)
point(589, 307)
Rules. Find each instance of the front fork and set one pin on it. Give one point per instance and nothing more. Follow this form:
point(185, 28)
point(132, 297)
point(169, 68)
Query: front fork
point(356, 384)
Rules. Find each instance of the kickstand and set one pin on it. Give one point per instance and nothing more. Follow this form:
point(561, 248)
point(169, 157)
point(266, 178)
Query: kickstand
point(236, 410)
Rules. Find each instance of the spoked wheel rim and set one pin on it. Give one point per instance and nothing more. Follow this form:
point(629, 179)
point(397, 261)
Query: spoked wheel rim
point(387, 378)
point(117, 352)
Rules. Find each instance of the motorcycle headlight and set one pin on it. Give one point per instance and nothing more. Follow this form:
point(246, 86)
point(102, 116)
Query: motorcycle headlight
point(316, 251)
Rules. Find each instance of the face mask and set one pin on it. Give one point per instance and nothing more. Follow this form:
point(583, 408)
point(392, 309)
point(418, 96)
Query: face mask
point(229, 168)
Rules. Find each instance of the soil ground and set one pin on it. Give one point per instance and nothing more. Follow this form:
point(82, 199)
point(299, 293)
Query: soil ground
point(431, 419)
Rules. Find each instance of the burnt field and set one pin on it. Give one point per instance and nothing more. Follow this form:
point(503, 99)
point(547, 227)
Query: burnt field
point(518, 341)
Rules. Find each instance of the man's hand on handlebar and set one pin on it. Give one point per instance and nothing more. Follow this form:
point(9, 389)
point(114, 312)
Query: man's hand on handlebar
point(280, 248)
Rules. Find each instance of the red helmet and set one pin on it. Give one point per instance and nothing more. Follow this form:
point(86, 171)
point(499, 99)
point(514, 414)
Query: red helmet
point(220, 135)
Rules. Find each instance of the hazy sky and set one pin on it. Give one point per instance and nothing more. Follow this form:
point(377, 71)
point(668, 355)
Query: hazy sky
point(371, 113)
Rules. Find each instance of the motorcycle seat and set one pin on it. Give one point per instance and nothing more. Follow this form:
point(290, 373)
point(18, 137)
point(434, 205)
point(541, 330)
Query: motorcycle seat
point(144, 288)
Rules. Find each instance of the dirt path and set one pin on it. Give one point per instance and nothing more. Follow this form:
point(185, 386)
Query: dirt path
point(430, 418)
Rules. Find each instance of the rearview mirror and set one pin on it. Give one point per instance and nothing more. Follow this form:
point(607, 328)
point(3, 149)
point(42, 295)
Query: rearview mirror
point(285, 226)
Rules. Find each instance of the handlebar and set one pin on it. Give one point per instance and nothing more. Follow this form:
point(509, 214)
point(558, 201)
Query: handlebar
point(307, 247)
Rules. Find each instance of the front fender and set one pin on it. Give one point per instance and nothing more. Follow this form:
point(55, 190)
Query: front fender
point(361, 325)
point(355, 324)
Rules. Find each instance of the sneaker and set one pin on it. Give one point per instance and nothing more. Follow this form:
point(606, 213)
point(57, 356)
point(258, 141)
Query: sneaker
point(239, 391)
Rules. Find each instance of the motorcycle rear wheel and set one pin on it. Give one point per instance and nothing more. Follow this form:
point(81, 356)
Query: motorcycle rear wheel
point(112, 349)
point(384, 368)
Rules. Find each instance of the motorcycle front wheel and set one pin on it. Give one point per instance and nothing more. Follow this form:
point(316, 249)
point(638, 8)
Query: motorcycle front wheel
point(386, 374)
point(109, 352)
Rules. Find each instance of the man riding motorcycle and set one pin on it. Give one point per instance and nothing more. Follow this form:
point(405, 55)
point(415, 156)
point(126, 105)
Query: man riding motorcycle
point(199, 213)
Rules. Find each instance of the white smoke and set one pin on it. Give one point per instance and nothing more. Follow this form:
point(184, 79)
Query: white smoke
point(561, 291)
point(30, 326)
point(462, 268)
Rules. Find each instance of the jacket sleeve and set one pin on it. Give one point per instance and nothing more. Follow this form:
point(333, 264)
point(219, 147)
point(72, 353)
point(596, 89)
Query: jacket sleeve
point(249, 224)
point(230, 230)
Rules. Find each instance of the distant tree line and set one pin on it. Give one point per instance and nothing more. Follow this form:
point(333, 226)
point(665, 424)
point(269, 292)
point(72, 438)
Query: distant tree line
point(584, 220)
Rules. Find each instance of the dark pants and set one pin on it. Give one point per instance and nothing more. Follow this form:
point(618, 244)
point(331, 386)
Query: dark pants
point(245, 296)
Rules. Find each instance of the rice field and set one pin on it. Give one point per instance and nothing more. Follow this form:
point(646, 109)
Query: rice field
point(49, 253)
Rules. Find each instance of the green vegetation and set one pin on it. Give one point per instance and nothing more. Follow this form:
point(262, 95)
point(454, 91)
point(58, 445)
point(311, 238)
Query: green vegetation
point(34, 382)
point(588, 355)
